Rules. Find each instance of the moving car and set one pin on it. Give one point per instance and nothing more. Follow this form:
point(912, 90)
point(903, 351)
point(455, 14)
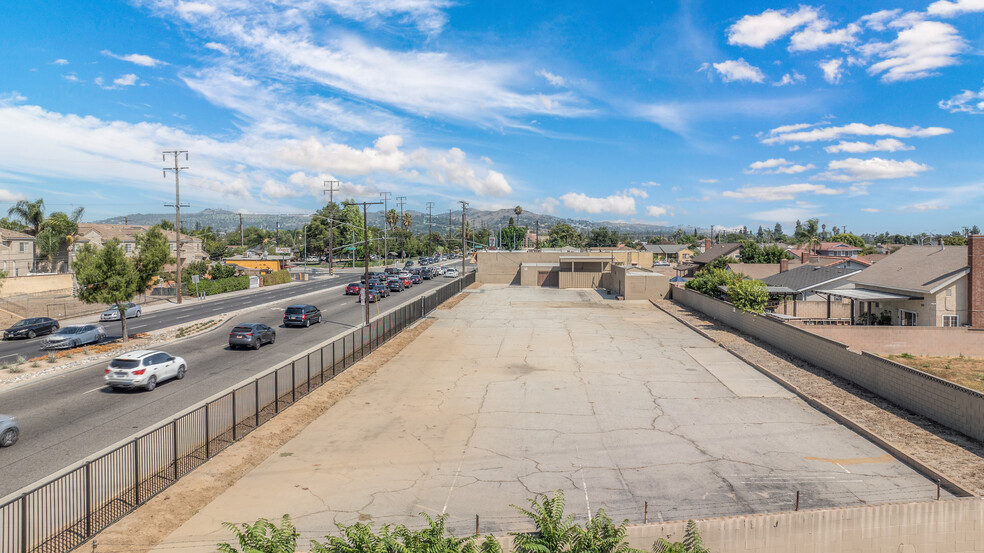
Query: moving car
point(113, 314)
point(143, 369)
point(396, 285)
point(30, 328)
point(416, 278)
point(451, 273)
point(353, 289)
point(407, 283)
point(380, 290)
point(301, 315)
point(251, 335)
point(9, 430)
point(426, 274)
point(74, 336)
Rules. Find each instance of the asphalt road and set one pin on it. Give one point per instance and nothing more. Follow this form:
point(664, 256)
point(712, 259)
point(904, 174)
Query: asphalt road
point(70, 417)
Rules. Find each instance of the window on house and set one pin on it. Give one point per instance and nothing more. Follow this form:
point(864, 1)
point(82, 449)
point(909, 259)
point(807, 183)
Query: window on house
point(129, 248)
point(951, 321)
point(23, 246)
point(907, 318)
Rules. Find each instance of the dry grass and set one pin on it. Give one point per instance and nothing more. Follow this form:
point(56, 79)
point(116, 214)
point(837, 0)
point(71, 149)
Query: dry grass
point(965, 371)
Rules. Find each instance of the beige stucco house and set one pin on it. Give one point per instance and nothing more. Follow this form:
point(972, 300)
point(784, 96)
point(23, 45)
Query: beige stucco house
point(16, 249)
point(100, 233)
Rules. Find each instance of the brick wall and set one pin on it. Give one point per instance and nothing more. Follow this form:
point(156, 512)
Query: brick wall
point(951, 405)
point(975, 285)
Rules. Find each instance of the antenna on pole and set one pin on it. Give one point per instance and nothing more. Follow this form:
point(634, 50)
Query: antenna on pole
point(177, 205)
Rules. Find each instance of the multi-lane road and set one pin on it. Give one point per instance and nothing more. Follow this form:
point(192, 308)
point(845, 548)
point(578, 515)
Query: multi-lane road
point(74, 415)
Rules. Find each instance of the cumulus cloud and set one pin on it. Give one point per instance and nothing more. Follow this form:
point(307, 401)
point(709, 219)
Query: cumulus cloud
point(796, 133)
point(618, 204)
point(777, 166)
point(967, 101)
point(779, 193)
point(125, 80)
point(816, 37)
point(60, 61)
point(452, 167)
point(832, 70)
point(218, 47)
point(649, 183)
point(945, 8)
point(879, 20)
point(883, 145)
point(790, 78)
point(555, 80)
point(917, 52)
point(758, 30)
point(739, 70)
point(659, 210)
point(854, 169)
point(6, 196)
point(547, 205)
point(138, 59)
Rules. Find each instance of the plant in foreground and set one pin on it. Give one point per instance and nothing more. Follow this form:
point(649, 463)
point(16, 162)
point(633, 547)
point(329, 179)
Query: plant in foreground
point(262, 537)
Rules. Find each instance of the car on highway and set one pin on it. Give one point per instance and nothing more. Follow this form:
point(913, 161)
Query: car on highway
point(74, 336)
point(392, 271)
point(380, 290)
point(415, 278)
point(251, 335)
point(301, 315)
point(371, 296)
point(113, 313)
point(426, 274)
point(353, 289)
point(143, 369)
point(395, 285)
point(451, 273)
point(9, 430)
point(407, 283)
point(31, 328)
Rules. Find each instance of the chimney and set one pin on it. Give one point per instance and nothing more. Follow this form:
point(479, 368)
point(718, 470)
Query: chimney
point(707, 244)
point(783, 265)
point(805, 257)
point(975, 283)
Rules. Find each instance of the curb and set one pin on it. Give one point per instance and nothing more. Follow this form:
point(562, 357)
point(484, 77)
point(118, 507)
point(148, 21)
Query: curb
point(945, 481)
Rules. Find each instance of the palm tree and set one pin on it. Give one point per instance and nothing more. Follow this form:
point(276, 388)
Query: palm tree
point(518, 210)
point(392, 218)
point(32, 215)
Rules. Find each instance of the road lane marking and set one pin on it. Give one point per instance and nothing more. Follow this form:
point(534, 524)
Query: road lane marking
point(93, 390)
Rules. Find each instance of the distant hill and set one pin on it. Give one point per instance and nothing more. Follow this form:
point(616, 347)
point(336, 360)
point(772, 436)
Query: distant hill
point(227, 221)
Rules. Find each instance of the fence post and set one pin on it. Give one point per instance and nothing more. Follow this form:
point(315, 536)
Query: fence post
point(174, 446)
point(88, 502)
point(208, 433)
point(235, 418)
point(256, 403)
point(322, 351)
point(276, 391)
point(23, 521)
point(309, 373)
point(333, 358)
point(293, 383)
point(136, 474)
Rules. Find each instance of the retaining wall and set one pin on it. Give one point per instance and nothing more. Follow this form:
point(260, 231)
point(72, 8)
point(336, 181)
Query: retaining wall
point(917, 340)
point(954, 406)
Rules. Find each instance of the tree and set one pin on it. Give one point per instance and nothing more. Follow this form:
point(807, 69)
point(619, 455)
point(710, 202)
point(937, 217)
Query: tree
point(57, 232)
point(749, 295)
point(809, 233)
point(955, 240)
point(708, 279)
point(975, 230)
point(753, 253)
point(166, 224)
point(11, 225)
point(512, 237)
point(603, 237)
point(691, 543)
point(849, 238)
point(31, 214)
point(262, 537)
point(777, 234)
point(518, 210)
point(563, 234)
point(554, 531)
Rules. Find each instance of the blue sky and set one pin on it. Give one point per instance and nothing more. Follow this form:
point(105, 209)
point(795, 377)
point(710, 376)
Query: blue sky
point(867, 115)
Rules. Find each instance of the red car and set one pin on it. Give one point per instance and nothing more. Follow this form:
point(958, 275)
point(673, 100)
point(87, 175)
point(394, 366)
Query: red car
point(353, 289)
point(406, 282)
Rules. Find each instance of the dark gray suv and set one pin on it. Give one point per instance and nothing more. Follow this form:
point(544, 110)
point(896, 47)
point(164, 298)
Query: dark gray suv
point(251, 335)
point(302, 315)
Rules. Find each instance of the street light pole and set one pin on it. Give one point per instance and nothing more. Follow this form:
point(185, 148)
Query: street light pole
point(430, 220)
point(330, 184)
point(403, 238)
point(463, 239)
point(385, 196)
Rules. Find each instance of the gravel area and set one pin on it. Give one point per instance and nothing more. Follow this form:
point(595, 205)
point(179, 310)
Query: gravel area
point(949, 452)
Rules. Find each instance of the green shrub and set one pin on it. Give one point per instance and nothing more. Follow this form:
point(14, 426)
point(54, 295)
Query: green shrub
point(52, 357)
point(212, 287)
point(276, 277)
point(262, 537)
point(706, 281)
point(749, 295)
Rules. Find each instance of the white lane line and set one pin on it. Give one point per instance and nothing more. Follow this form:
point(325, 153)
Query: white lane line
point(843, 468)
point(584, 483)
point(93, 390)
point(453, 482)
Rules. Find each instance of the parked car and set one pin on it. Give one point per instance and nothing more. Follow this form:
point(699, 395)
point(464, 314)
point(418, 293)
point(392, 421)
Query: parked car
point(396, 285)
point(144, 369)
point(31, 328)
point(353, 289)
point(661, 264)
point(9, 430)
point(113, 313)
point(301, 315)
point(451, 273)
point(251, 335)
point(409, 263)
point(74, 336)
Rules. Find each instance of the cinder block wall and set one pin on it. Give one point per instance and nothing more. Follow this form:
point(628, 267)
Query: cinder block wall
point(954, 406)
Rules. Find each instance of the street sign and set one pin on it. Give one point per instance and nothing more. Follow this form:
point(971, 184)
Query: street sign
point(194, 279)
point(282, 250)
point(491, 241)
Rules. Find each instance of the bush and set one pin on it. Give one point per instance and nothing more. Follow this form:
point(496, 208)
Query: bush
point(212, 287)
point(276, 277)
point(749, 295)
point(706, 281)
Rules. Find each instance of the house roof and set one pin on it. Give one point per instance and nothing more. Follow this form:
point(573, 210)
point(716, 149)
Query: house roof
point(756, 271)
point(872, 258)
point(667, 248)
point(716, 251)
point(124, 233)
point(805, 277)
point(839, 246)
point(7, 234)
point(920, 269)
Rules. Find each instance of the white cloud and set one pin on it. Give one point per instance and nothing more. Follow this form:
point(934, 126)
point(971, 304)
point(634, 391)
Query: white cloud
point(708, 181)
point(618, 204)
point(739, 70)
point(917, 52)
point(138, 59)
point(659, 210)
point(6, 196)
point(769, 164)
point(555, 80)
point(832, 70)
point(125, 80)
point(426, 15)
point(548, 205)
point(758, 30)
point(452, 167)
point(878, 20)
point(795, 148)
point(637, 192)
point(870, 209)
point(945, 8)
point(854, 169)
point(790, 128)
point(779, 193)
point(883, 145)
point(218, 47)
point(790, 78)
point(777, 166)
point(930, 205)
point(71, 77)
point(816, 37)
point(190, 10)
point(967, 101)
point(793, 133)
point(650, 183)
point(60, 61)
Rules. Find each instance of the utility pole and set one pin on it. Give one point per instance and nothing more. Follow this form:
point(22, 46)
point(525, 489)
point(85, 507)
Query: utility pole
point(276, 236)
point(330, 189)
point(365, 254)
point(450, 226)
point(242, 237)
point(464, 249)
point(126, 221)
point(536, 245)
point(177, 208)
point(403, 238)
point(430, 220)
point(386, 252)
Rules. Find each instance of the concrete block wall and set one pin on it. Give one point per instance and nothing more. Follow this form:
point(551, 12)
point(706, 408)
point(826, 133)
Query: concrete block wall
point(956, 407)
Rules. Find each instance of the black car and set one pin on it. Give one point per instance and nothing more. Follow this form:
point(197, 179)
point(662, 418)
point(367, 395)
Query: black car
point(416, 278)
point(426, 274)
point(301, 315)
point(380, 291)
point(29, 328)
point(395, 285)
point(252, 335)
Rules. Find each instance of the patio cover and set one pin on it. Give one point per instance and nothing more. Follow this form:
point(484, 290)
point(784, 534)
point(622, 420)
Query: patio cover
point(862, 294)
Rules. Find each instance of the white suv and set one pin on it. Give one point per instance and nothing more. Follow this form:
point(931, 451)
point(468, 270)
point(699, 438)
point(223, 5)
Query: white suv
point(144, 369)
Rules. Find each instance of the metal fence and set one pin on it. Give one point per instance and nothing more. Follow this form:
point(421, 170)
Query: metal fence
point(64, 512)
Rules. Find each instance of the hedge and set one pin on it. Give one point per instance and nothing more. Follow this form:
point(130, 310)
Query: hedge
point(212, 287)
point(277, 277)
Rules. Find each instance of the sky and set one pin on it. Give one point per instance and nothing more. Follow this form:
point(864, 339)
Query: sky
point(866, 115)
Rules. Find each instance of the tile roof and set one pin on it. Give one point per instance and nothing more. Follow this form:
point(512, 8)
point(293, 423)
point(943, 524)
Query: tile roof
point(808, 276)
point(667, 248)
point(716, 251)
point(125, 233)
point(916, 268)
point(7, 234)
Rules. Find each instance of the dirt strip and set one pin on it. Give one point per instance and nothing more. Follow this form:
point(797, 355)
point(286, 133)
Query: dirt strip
point(147, 527)
point(950, 452)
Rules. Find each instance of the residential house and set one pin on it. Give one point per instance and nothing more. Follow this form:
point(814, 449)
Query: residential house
point(760, 271)
point(16, 249)
point(678, 253)
point(824, 250)
point(712, 252)
point(941, 286)
point(100, 233)
point(806, 279)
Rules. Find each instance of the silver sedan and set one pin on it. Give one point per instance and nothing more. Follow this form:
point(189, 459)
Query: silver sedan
point(113, 313)
point(74, 336)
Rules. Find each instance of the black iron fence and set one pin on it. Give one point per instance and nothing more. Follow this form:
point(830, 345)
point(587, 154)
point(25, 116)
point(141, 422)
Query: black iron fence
point(64, 512)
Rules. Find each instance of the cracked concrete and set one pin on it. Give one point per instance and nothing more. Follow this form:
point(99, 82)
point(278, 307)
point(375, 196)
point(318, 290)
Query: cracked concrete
point(518, 391)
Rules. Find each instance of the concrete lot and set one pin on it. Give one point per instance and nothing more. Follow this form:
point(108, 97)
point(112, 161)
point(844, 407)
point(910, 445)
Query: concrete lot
point(517, 391)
